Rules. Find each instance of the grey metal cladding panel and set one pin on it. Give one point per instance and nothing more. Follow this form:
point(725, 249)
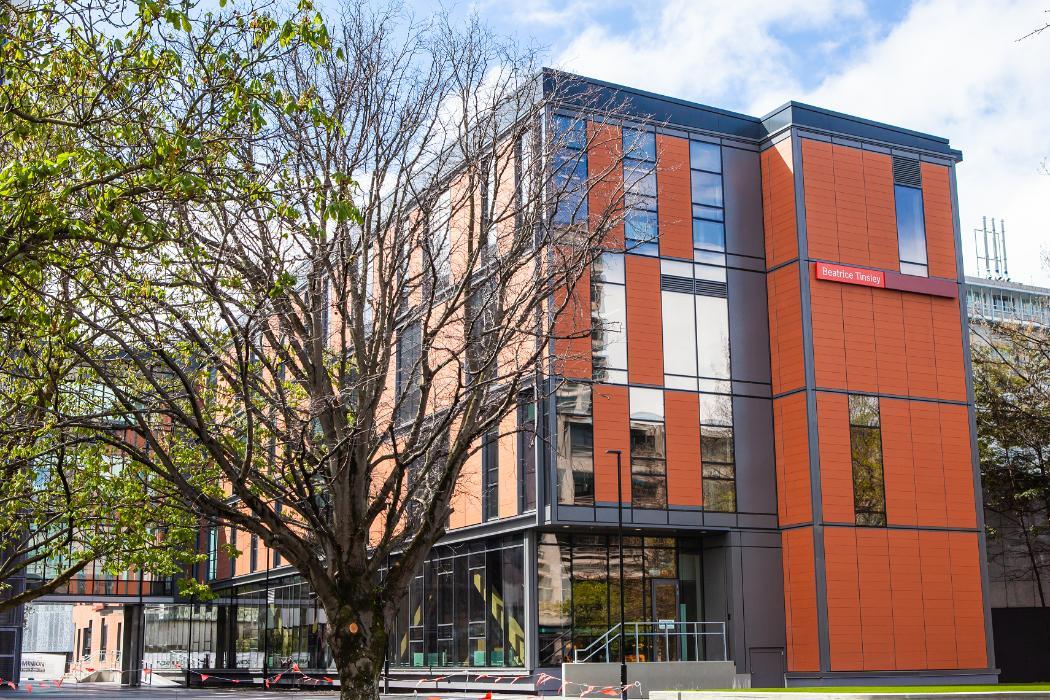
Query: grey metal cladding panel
point(757, 520)
point(583, 514)
point(742, 185)
point(746, 262)
point(748, 326)
point(763, 584)
point(685, 518)
point(804, 115)
point(588, 93)
point(755, 473)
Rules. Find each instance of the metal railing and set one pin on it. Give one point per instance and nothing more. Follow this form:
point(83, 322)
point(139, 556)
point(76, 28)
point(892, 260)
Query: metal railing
point(662, 640)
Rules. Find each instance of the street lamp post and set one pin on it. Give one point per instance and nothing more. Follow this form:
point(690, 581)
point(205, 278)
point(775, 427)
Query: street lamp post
point(619, 537)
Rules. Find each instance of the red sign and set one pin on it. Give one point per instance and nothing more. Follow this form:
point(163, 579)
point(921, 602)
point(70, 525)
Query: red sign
point(851, 275)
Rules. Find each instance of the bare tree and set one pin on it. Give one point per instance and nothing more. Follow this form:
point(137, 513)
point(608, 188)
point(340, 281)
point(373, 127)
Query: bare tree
point(316, 366)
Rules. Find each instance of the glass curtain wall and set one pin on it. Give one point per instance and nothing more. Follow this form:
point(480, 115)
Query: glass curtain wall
point(578, 592)
point(465, 608)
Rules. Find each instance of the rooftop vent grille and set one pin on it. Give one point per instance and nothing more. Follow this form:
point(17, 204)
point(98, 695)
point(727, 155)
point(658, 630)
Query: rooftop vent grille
point(906, 172)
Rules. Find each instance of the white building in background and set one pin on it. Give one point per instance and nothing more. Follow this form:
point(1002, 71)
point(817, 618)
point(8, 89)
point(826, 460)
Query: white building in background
point(1002, 300)
point(48, 628)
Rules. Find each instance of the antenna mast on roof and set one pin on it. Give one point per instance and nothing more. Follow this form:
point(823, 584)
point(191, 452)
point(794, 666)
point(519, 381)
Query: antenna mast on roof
point(991, 249)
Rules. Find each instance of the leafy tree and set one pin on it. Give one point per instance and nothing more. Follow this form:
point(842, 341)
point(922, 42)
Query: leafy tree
point(316, 367)
point(1011, 366)
point(112, 116)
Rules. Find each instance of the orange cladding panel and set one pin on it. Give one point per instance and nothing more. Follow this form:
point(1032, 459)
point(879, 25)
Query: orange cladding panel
point(791, 438)
point(674, 197)
point(937, 599)
point(898, 462)
point(778, 204)
point(876, 605)
point(785, 329)
point(818, 174)
point(682, 418)
point(605, 169)
point(645, 362)
point(611, 432)
point(858, 324)
point(829, 342)
point(850, 205)
point(508, 466)
point(940, 227)
point(844, 619)
point(800, 600)
point(909, 623)
point(572, 326)
point(836, 462)
point(919, 343)
point(881, 211)
point(968, 599)
point(947, 341)
point(930, 491)
point(958, 466)
point(890, 346)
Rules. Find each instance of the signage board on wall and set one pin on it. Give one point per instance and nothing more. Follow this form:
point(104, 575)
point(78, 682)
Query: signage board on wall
point(851, 275)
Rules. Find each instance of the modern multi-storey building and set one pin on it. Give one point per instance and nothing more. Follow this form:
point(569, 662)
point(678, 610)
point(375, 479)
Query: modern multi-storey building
point(775, 389)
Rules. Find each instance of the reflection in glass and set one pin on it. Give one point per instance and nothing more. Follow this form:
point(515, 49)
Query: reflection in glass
point(707, 188)
point(717, 452)
point(705, 156)
point(679, 334)
point(712, 322)
point(869, 489)
point(648, 449)
point(609, 329)
point(911, 229)
point(575, 444)
point(709, 235)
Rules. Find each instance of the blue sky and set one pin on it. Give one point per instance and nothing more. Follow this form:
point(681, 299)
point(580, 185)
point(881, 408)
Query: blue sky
point(948, 67)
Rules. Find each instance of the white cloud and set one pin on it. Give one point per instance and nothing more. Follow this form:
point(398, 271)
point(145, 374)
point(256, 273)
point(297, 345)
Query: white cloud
point(706, 51)
point(955, 69)
point(949, 67)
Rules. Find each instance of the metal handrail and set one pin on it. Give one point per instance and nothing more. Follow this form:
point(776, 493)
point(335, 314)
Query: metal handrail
point(654, 632)
point(596, 646)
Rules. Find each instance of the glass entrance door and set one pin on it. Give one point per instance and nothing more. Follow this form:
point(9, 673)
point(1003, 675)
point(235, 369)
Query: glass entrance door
point(664, 639)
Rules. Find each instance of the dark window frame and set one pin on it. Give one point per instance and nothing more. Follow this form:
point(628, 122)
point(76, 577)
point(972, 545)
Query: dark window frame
point(706, 215)
point(869, 479)
point(641, 208)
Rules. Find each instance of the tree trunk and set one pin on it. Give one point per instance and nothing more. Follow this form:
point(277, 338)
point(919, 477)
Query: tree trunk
point(358, 639)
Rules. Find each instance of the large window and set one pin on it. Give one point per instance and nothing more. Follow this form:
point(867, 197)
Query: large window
point(575, 444)
point(466, 608)
point(609, 320)
point(695, 326)
point(409, 342)
point(569, 181)
point(439, 248)
point(705, 173)
point(490, 475)
point(717, 453)
point(865, 439)
point(648, 449)
point(213, 553)
point(911, 225)
point(526, 453)
point(911, 230)
point(578, 594)
point(639, 183)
